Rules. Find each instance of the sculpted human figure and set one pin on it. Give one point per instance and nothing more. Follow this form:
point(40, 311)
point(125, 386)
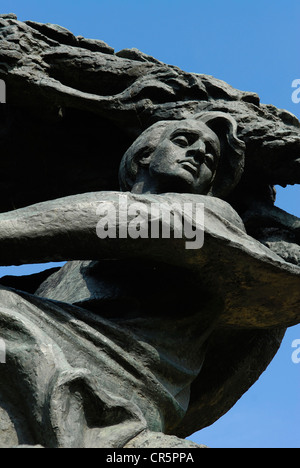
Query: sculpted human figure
point(108, 349)
point(183, 157)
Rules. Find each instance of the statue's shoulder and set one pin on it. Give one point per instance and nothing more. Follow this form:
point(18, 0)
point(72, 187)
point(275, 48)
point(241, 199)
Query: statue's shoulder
point(213, 206)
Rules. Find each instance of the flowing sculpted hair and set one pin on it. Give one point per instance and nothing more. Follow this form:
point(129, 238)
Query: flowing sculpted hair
point(230, 166)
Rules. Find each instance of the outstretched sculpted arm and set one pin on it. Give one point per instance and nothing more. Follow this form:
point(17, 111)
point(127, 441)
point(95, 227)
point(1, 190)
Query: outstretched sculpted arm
point(65, 229)
point(56, 230)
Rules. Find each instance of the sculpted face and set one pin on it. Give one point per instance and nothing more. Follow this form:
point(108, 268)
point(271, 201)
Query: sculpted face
point(185, 158)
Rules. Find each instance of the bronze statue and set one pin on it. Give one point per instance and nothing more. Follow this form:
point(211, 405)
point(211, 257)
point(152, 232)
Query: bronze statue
point(120, 347)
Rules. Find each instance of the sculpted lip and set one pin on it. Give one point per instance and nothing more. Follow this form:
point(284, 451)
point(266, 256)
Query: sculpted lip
point(190, 166)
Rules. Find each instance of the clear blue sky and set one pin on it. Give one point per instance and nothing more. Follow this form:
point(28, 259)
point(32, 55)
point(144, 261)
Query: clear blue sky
point(254, 46)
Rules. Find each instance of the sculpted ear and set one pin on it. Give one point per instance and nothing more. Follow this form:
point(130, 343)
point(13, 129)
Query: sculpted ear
point(142, 158)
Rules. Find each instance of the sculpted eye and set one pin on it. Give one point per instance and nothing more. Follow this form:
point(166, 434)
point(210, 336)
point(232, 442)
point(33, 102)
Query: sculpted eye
point(181, 141)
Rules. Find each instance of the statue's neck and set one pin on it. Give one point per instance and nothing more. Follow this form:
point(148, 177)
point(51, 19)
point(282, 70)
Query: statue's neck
point(145, 184)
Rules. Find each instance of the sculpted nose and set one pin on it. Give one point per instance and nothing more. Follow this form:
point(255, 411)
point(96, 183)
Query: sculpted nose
point(197, 151)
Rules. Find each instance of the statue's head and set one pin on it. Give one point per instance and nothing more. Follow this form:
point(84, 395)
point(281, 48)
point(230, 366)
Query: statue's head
point(198, 155)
